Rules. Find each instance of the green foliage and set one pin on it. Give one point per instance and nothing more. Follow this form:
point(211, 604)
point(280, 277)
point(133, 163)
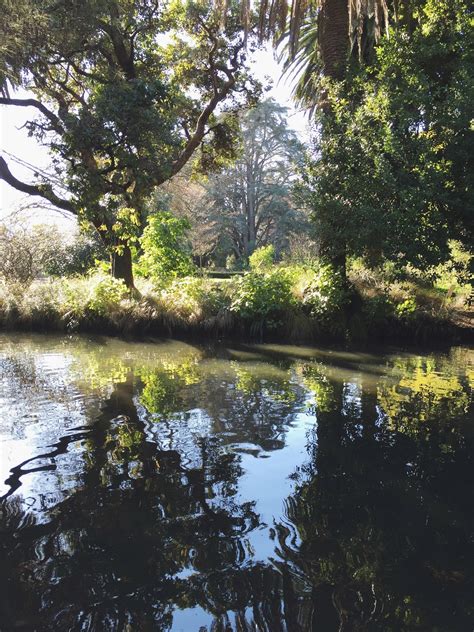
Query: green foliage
point(407, 308)
point(76, 257)
point(85, 298)
point(165, 253)
point(128, 92)
point(262, 297)
point(392, 174)
point(377, 310)
point(457, 273)
point(106, 296)
point(325, 295)
point(262, 258)
point(193, 299)
point(301, 303)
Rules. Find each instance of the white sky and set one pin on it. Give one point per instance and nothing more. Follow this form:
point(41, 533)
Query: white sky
point(15, 140)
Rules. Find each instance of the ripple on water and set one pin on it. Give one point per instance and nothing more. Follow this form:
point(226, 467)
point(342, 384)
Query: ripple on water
point(168, 486)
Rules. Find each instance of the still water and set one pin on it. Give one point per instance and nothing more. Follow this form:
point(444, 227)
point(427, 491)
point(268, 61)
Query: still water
point(168, 486)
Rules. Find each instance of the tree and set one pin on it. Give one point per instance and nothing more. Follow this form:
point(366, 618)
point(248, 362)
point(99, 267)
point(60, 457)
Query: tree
point(27, 252)
point(322, 36)
point(184, 197)
point(392, 172)
point(324, 41)
point(126, 93)
point(249, 202)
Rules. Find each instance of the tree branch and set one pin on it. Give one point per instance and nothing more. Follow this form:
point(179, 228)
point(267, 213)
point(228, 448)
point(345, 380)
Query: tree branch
point(56, 123)
point(43, 191)
point(218, 96)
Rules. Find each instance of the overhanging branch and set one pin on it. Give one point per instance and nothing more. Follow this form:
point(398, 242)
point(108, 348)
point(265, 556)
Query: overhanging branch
point(56, 123)
point(218, 95)
point(43, 191)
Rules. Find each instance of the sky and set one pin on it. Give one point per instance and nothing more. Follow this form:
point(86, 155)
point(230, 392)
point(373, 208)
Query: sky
point(14, 141)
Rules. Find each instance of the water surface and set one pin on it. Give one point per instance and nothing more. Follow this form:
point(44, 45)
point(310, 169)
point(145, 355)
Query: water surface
point(169, 486)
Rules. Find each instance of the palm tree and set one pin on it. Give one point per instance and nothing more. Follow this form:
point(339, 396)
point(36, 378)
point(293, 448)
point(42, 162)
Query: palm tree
point(323, 35)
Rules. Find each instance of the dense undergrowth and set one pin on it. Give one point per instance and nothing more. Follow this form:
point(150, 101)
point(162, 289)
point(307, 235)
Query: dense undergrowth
point(294, 303)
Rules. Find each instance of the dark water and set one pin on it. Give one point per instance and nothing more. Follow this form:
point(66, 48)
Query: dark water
point(174, 487)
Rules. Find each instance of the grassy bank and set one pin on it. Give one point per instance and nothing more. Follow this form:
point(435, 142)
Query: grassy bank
point(285, 303)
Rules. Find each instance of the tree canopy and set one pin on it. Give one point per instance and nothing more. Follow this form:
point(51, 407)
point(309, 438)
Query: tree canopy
point(126, 92)
point(391, 176)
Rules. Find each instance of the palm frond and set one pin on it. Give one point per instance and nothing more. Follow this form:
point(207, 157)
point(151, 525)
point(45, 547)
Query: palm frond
point(305, 40)
point(303, 66)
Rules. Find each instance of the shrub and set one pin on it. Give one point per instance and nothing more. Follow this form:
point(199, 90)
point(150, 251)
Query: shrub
point(325, 295)
point(76, 257)
point(107, 296)
point(262, 258)
point(377, 310)
point(407, 309)
point(262, 297)
point(165, 255)
point(192, 299)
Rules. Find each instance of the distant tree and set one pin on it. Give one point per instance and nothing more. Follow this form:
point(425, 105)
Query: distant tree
point(249, 203)
point(126, 92)
point(76, 255)
point(27, 252)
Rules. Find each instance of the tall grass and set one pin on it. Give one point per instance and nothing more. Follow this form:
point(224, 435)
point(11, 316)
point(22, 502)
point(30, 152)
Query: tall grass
point(287, 303)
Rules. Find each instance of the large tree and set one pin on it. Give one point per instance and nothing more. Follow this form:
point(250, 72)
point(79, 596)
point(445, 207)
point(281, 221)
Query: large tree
point(392, 173)
point(324, 41)
point(125, 93)
point(390, 85)
point(249, 203)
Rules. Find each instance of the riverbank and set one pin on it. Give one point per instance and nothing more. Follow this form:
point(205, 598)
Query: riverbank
point(281, 305)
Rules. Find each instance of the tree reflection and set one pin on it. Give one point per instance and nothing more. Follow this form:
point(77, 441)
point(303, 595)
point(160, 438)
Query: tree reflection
point(384, 516)
point(142, 535)
point(377, 535)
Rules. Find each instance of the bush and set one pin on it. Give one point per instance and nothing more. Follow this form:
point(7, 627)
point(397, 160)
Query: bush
point(107, 296)
point(76, 257)
point(165, 254)
point(262, 258)
point(326, 295)
point(187, 301)
point(378, 309)
point(262, 297)
point(407, 309)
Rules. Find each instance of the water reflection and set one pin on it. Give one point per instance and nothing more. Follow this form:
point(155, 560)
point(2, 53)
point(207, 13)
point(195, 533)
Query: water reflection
point(171, 487)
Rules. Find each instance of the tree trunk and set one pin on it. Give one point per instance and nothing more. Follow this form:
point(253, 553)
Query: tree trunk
point(334, 36)
point(122, 265)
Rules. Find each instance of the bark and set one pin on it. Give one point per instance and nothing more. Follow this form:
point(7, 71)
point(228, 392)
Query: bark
point(335, 45)
point(251, 212)
point(334, 36)
point(122, 265)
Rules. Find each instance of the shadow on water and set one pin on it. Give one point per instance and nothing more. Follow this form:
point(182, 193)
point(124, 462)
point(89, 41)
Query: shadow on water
point(162, 516)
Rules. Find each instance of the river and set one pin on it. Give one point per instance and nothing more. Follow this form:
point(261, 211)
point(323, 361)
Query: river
point(171, 486)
